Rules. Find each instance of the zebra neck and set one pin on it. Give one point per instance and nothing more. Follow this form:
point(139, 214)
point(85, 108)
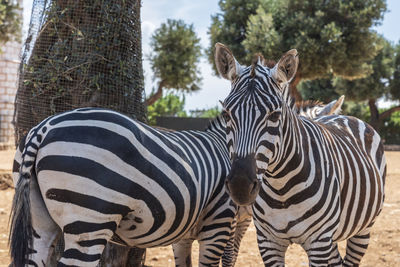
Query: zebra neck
point(290, 158)
point(217, 126)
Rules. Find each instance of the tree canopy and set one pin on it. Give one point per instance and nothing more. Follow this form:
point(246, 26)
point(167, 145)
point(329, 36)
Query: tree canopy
point(175, 57)
point(374, 85)
point(230, 26)
point(380, 83)
point(394, 86)
point(320, 89)
point(168, 105)
point(10, 20)
point(332, 37)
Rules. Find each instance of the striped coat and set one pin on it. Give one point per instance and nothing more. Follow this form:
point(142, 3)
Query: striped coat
point(313, 183)
point(98, 175)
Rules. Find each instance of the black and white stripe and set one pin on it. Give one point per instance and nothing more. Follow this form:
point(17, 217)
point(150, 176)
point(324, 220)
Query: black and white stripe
point(96, 174)
point(309, 109)
point(313, 183)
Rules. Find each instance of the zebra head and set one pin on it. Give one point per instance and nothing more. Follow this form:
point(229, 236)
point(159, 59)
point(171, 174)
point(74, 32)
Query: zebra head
point(253, 112)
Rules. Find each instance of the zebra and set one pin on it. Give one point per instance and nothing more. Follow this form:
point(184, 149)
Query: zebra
point(98, 175)
point(313, 183)
point(309, 109)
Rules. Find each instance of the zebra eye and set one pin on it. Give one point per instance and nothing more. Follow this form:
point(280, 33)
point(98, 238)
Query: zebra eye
point(274, 116)
point(226, 116)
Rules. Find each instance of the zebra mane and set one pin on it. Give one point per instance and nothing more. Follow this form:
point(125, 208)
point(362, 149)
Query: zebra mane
point(217, 124)
point(258, 58)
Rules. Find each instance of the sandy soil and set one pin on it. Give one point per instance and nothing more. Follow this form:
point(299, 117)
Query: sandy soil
point(384, 248)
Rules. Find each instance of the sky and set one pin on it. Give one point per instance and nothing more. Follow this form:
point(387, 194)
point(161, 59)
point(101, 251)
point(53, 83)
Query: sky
point(198, 13)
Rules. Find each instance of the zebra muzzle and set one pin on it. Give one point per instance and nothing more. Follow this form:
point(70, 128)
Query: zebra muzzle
point(242, 183)
point(243, 195)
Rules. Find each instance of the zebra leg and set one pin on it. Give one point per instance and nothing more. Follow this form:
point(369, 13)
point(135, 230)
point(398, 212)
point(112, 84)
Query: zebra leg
point(213, 238)
point(272, 253)
point(231, 251)
point(211, 251)
point(335, 258)
point(114, 255)
point(324, 252)
point(229, 257)
point(183, 252)
point(45, 231)
point(119, 255)
point(84, 244)
point(215, 228)
point(356, 247)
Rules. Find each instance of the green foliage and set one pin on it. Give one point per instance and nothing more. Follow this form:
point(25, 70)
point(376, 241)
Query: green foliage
point(357, 109)
point(230, 26)
point(380, 83)
point(261, 31)
point(391, 130)
point(10, 21)
point(168, 105)
point(321, 89)
point(394, 86)
point(375, 85)
point(206, 113)
point(331, 36)
point(175, 57)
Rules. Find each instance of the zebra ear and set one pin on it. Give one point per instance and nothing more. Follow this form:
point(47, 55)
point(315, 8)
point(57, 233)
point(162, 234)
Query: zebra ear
point(333, 108)
point(226, 63)
point(285, 70)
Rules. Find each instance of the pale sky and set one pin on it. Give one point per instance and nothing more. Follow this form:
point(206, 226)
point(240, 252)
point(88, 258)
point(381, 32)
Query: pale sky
point(198, 13)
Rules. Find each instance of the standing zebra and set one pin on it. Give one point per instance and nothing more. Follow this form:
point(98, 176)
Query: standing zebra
point(313, 183)
point(310, 109)
point(97, 174)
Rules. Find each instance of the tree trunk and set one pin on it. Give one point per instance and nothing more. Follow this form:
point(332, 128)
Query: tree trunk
point(80, 54)
point(293, 87)
point(157, 95)
point(386, 114)
point(375, 120)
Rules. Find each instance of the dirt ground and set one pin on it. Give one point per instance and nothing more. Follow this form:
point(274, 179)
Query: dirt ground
point(384, 248)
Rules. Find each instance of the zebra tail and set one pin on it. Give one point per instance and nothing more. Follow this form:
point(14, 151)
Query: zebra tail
point(21, 232)
point(21, 236)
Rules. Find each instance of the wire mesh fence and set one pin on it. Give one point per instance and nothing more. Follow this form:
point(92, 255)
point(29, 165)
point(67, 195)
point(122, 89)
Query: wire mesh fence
point(80, 54)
